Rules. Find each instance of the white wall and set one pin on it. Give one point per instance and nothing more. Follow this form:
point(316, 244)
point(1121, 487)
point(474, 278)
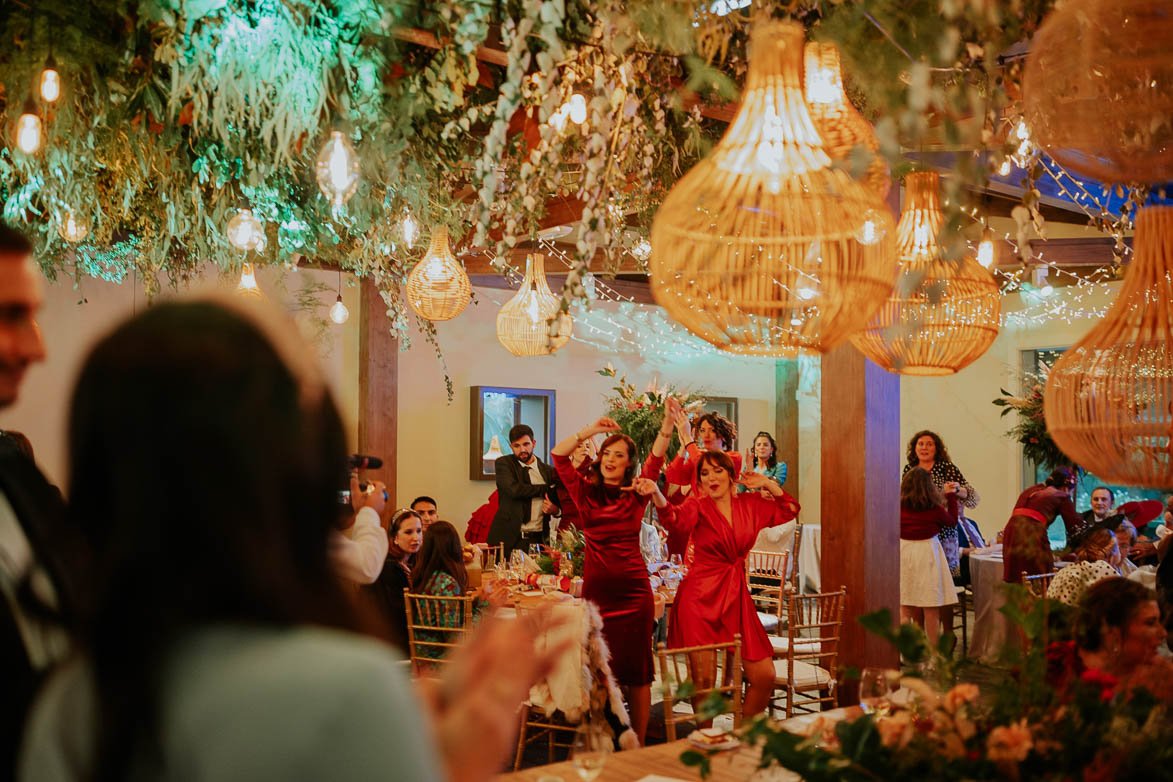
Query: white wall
point(74, 318)
point(434, 435)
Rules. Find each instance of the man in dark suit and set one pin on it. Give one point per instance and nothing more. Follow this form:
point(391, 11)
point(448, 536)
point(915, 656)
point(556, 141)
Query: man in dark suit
point(525, 494)
point(30, 512)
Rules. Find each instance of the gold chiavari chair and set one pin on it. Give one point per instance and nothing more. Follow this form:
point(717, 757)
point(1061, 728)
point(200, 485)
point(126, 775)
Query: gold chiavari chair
point(711, 668)
point(435, 625)
point(809, 665)
point(765, 573)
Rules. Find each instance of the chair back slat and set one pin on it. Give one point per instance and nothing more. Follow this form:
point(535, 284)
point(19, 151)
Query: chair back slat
point(765, 574)
point(796, 579)
point(814, 631)
point(491, 555)
point(1037, 585)
point(435, 626)
point(711, 668)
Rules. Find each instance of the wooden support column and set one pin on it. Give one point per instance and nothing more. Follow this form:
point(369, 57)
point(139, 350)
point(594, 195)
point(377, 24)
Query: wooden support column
point(378, 387)
point(786, 420)
point(860, 500)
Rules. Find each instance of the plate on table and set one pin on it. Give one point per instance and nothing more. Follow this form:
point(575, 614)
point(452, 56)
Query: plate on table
point(713, 738)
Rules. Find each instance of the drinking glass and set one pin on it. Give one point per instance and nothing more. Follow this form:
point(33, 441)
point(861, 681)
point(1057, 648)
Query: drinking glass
point(874, 688)
point(675, 561)
point(589, 753)
point(535, 550)
point(517, 564)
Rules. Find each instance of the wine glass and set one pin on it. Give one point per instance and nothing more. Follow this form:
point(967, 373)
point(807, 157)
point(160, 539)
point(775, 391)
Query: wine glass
point(589, 753)
point(874, 689)
point(517, 564)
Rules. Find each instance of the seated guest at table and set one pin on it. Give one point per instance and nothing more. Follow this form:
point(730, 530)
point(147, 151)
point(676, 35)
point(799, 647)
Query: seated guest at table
point(425, 507)
point(1118, 632)
point(1125, 539)
point(713, 602)
point(611, 501)
point(524, 501)
point(925, 581)
point(969, 539)
point(404, 533)
point(1103, 499)
point(926, 450)
point(764, 458)
point(1025, 547)
point(440, 571)
point(1097, 557)
point(214, 640)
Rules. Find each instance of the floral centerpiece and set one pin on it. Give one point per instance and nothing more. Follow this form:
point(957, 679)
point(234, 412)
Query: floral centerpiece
point(565, 557)
point(1016, 726)
point(1031, 429)
point(639, 414)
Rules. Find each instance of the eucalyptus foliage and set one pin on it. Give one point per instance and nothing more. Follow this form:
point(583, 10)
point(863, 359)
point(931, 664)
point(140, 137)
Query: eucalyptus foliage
point(177, 112)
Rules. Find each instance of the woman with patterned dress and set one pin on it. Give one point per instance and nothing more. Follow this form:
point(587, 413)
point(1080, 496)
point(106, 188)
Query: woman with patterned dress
point(611, 501)
point(440, 572)
point(713, 603)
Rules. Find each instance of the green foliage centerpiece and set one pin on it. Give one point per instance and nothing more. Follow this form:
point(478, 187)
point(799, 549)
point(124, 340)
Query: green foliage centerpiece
point(1031, 429)
point(639, 414)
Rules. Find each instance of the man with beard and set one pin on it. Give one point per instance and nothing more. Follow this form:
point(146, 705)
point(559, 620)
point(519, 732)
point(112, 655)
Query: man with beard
point(524, 491)
point(31, 579)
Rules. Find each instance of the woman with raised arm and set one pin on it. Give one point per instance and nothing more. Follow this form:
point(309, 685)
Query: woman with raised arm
point(716, 433)
point(611, 501)
point(713, 603)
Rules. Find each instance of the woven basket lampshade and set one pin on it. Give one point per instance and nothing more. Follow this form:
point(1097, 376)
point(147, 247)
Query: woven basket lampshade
point(942, 314)
point(1109, 398)
point(841, 127)
point(438, 287)
point(758, 248)
point(1098, 89)
point(523, 323)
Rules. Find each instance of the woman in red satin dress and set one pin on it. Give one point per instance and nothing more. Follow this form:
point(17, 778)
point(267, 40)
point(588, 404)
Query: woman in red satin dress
point(611, 503)
point(716, 433)
point(713, 602)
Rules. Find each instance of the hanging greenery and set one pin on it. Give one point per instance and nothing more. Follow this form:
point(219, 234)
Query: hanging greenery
point(174, 113)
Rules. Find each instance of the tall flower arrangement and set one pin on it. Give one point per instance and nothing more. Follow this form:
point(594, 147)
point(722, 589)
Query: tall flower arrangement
point(640, 413)
point(1031, 429)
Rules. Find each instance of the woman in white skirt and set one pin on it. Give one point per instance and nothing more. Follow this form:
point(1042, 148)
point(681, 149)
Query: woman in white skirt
point(925, 581)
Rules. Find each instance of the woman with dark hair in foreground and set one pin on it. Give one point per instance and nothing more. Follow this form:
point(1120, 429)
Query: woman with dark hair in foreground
point(216, 641)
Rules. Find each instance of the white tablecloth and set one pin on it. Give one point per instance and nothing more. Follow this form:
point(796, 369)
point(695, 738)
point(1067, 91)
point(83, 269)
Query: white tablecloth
point(989, 624)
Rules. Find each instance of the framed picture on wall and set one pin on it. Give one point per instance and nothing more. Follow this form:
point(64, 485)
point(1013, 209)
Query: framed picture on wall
point(494, 411)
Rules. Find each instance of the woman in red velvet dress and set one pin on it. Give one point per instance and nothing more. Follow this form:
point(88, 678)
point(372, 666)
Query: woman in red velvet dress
point(611, 503)
point(713, 602)
point(1025, 547)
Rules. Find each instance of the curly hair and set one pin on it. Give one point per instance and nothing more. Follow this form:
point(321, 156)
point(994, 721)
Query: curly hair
point(724, 428)
point(918, 492)
point(941, 454)
point(1112, 602)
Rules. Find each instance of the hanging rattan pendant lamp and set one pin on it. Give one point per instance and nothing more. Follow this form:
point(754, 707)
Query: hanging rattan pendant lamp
point(943, 314)
point(842, 128)
point(757, 249)
point(523, 324)
point(1109, 398)
point(438, 287)
point(1098, 88)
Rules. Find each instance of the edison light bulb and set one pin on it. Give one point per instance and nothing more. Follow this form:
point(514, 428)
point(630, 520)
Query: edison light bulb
point(643, 250)
point(873, 228)
point(578, 109)
point(985, 253)
point(337, 168)
point(410, 229)
point(246, 232)
point(73, 228)
point(28, 129)
point(50, 82)
point(339, 313)
point(248, 282)
point(1004, 169)
point(558, 118)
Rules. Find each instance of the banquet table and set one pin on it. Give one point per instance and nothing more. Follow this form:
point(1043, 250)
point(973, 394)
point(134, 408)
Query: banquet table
point(990, 625)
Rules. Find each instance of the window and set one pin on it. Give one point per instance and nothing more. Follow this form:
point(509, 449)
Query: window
point(496, 410)
point(1039, 362)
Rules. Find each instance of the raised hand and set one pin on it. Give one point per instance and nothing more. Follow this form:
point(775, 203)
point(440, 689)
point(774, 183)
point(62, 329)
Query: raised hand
point(641, 486)
point(683, 427)
point(605, 424)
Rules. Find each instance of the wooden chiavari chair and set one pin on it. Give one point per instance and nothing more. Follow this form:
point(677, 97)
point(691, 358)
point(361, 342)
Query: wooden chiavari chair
point(810, 662)
point(711, 668)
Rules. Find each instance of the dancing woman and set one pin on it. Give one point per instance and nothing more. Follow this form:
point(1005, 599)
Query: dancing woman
point(713, 602)
point(611, 503)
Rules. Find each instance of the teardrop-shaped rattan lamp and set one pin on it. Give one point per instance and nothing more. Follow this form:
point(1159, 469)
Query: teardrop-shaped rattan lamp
point(523, 324)
point(1098, 88)
point(1109, 398)
point(755, 249)
point(942, 314)
point(842, 128)
point(438, 287)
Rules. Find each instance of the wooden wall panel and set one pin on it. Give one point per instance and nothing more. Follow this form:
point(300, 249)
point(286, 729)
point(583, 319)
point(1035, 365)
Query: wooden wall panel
point(378, 387)
point(786, 421)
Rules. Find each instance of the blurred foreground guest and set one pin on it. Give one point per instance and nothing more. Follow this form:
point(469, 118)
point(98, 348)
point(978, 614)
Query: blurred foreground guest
point(925, 581)
point(1118, 632)
point(1097, 557)
point(403, 536)
point(219, 645)
point(1025, 547)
